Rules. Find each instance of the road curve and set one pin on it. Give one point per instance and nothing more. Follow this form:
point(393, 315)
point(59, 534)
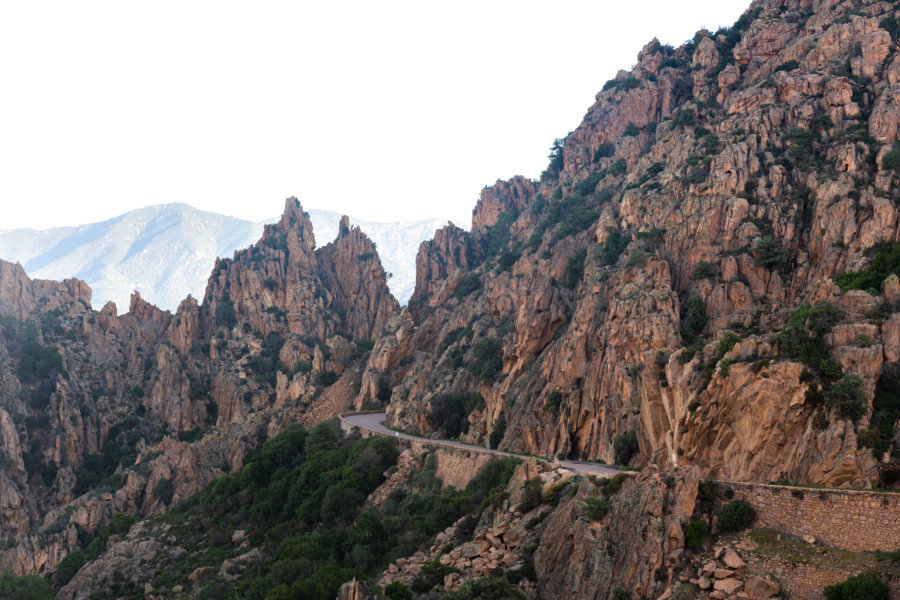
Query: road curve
point(374, 422)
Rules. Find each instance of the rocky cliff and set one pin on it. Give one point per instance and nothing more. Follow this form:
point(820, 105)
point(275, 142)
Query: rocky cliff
point(683, 285)
point(103, 414)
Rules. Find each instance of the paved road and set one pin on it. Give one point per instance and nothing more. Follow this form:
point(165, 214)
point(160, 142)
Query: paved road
point(374, 422)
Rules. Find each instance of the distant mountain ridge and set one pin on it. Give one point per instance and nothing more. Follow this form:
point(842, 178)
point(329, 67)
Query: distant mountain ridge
point(166, 251)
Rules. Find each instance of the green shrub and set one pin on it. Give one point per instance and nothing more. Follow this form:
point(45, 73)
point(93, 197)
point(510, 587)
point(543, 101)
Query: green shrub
point(625, 447)
point(686, 117)
point(728, 341)
point(555, 492)
point(768, 252)
point(449, 412)
point(618, 168)
point(695, 534)
point(432, 574)
point(703, 270)
point(397, 591)
point(486, 588)
point(587, 186)
point(575, 268)
point(631, 130)
point(469, 284)
point(603, 151)
point(891, 25)
point(803, 335)
point(497, 434)
point(68, 566)
point(801, 142)
point(620, 594)
point(612, 248)
point(327, 378)
point(595, 508)
point(787, 66)
point(847, 398)
point(891, 160)
point(885, 409)
point(725, 366)
point(531, 497)
point(886, 260)
point(164, 490)
point(865, 586)
point(735, 516)
point(25, 587)
point(225, 313)
point(498, 235)
point(693, 319)
point(488, 359)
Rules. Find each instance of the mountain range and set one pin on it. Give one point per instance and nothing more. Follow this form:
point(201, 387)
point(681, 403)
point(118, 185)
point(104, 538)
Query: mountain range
point(165, 251)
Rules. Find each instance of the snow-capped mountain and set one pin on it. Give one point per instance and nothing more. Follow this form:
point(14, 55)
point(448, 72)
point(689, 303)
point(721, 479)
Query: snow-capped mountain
point(166, 252)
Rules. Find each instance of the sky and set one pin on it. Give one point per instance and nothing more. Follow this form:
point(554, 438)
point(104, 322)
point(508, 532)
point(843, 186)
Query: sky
point(386, 110)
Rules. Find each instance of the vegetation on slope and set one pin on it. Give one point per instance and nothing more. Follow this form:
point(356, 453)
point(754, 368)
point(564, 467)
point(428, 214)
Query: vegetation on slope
point(300, 501)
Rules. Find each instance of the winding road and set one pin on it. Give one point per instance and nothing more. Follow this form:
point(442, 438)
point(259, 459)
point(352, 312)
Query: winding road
point(374, 422)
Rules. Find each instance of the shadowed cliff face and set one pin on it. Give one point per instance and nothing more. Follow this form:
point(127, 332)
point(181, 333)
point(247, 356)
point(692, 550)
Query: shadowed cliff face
point(102, 414)
point(640, 302)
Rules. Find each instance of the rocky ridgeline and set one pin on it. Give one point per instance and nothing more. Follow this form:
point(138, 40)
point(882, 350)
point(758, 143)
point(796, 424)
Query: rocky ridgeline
point(103, 414)
point(638, 290)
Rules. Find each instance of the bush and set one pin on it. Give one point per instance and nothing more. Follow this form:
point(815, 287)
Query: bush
point(787, 66)
point(486, 588)
point(703, 270)
point(625, 447)
point(613, 247)
point(575, 268)
point(397, 591)
point(449, 412)
point(886, 261)
point(469, 284)
point(686, 117)
point(26, 587)
point(69, 566)
point(595, 508)
point(164, 491)
point(432, 574)
point(225, 313)
point(488, 359)
point(531, 497)
point(695, 534)
point(891, 160)
point(603, 151)
point(736, 515)
point(859, 587)
point(497, 434)
point(618, 168)
point(768, 252)
point(327, 378)
point(728, 341)
point(693, 319)
point(847, 398)
point(891, 25)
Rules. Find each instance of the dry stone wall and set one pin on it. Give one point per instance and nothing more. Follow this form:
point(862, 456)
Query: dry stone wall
point(848, 519)
point(801, 581)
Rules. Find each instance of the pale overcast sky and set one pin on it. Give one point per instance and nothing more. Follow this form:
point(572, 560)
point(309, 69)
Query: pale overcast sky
point(384, 110)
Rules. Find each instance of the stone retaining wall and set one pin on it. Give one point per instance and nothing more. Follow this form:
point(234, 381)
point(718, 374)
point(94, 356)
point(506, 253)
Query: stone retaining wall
point(802, 581)
point(848, 519)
